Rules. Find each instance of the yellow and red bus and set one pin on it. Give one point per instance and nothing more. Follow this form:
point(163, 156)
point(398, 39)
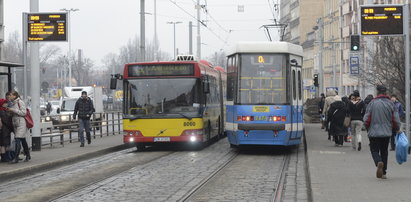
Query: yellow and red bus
point(176, 101)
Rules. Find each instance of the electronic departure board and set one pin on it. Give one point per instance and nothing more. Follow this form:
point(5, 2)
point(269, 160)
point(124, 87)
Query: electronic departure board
point(161, 70)
point(382, 20)
point(47, 27)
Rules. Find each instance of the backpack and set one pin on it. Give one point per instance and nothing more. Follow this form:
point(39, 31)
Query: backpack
point(28, 118)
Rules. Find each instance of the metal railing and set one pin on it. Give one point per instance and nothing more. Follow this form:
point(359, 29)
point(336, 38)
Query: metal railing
point(101, 124)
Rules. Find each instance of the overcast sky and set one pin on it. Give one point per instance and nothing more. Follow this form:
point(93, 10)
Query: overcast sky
point(101, 26)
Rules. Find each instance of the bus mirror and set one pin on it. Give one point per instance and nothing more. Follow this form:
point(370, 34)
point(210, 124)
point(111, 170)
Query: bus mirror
point(58, 110)
point(113, 83)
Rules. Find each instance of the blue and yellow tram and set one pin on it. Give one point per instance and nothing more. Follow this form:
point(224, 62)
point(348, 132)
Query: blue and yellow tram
point(264, 94)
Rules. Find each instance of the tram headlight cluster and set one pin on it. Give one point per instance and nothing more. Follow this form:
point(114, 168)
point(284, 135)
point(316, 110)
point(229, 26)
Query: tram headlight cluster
point(263, 118)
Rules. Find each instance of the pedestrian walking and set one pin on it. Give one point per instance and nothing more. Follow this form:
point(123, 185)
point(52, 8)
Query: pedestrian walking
point(85, 109)
point(331, 94)
point(336, 116)
point(381, 117)
point(320, 109)
point(356, 110)
point(346, 101)
point(48, 108)
point(18, 109)
point(6, 128)
point(401, 114)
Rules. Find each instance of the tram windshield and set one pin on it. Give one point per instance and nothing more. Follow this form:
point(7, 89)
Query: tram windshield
point(148, 98)
point(263, 79)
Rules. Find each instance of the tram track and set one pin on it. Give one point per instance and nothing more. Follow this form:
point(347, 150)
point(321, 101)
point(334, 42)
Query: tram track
point(277, 192)
point(55, 184)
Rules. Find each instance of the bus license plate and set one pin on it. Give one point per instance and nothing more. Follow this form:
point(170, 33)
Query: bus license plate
point(162, 139)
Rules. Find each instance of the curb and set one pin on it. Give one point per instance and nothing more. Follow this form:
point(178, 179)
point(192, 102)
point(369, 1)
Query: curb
point(58, 163)
point(307, 170)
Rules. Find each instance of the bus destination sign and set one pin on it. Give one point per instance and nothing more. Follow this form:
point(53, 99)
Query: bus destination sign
point(161, 70)
point(382, 20)
point(47, 27)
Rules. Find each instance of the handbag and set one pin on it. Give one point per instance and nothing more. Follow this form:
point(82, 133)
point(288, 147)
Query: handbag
point(347, 121)
point(28, 118)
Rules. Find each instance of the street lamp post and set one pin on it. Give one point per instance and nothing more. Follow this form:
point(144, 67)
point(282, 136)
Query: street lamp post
point(69, 39)
point(174, 25)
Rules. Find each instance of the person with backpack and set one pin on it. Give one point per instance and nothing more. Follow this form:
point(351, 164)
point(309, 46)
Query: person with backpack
point(18, 109)
point(84, 108)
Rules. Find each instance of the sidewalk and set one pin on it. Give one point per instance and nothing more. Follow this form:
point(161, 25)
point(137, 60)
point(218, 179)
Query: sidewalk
point(51, 157)
point(343, 174)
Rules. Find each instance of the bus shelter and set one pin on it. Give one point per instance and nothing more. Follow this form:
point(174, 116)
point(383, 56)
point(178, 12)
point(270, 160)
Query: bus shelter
point(5, 71)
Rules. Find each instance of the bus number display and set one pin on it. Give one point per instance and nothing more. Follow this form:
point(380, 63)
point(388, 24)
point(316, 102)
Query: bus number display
point(161, 70)
point(189, 124)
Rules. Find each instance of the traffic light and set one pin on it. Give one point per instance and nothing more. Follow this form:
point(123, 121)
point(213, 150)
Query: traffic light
point(316, 80)
point(355, 42)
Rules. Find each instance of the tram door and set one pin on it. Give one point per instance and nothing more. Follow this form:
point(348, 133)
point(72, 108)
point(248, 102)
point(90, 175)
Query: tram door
point(294, 102)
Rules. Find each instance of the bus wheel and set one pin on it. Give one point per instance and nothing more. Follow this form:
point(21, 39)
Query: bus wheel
point(140, 147)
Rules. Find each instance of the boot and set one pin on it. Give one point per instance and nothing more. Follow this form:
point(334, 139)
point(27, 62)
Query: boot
point(16, 158)
point(28, 157)
point(4, 158)
point(88, 138)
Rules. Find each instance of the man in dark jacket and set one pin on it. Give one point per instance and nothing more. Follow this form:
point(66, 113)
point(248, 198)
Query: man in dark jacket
point(381, 117)
point(357, 111)
point(84, 108)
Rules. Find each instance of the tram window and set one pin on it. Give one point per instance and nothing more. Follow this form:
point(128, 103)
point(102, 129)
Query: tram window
point(299, 85)
point(294, 86)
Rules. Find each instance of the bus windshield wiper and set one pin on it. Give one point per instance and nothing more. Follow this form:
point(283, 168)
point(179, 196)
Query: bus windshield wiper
point(185, 116)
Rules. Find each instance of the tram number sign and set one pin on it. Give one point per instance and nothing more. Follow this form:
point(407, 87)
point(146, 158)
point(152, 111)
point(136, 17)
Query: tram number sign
point(382, 20)
point(47, 26)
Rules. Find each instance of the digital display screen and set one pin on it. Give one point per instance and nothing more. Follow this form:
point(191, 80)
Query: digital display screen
point(161, 70)
point(47, 27)
point(382, 20)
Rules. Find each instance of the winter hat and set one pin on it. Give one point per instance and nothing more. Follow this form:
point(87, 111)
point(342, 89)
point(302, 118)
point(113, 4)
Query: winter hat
point(381, 89)
point(356, 93)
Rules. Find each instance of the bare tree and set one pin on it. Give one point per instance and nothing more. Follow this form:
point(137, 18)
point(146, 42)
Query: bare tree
point(387, 65)
point(13, 49)
point(217, 59)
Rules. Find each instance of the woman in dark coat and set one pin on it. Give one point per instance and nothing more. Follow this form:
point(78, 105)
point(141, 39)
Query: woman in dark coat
point(336, 115)
point(6, 127)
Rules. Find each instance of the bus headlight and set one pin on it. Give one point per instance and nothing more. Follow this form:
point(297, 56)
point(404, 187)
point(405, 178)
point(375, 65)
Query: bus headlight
point(193, 139)
point(64, 118)
point(131, 139)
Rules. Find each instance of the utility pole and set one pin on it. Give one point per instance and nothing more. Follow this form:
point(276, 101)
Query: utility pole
point(198, 7)
point(69, 39)
point(174, 25)
point(334, 67)
point(142, 31)
point(155, 31)
point(320, 56)
point(190, 38)
point(35, 85)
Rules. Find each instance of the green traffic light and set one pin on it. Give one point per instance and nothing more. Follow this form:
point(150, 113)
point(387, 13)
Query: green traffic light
point(355, 48)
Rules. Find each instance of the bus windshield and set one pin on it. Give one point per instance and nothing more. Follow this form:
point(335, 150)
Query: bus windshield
point(263, 79)
point(163, 97)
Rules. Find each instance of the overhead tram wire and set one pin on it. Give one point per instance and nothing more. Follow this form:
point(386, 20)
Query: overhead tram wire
point(201, 22)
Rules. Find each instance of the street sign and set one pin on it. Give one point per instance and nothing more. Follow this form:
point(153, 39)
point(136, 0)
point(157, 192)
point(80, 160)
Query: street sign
point(47, 26)
point(382, 20)
point(354, 65)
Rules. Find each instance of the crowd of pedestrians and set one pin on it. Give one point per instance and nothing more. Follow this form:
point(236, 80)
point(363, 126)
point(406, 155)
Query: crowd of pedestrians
point(347, 116)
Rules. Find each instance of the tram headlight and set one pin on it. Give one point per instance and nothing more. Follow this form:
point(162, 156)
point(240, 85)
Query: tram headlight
point(131, 139)
point(193, 139)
